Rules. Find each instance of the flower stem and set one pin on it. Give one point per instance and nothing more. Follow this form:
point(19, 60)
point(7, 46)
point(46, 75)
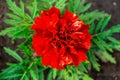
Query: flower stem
point(22, 78)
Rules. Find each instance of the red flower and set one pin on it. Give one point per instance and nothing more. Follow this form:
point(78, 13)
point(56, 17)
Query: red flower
point(60, 40)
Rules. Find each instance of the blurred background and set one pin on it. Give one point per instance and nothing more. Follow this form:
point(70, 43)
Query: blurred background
point(108, 71)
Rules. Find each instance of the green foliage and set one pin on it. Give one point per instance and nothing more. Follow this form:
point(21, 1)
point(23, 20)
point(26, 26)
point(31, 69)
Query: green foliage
point(12, 72)
point(94, 61)
point(29, 67)
point(71, 73)
point(13, 54)
point(90, 17)
point(78, 6)
point(103, 41)
point(60, 4)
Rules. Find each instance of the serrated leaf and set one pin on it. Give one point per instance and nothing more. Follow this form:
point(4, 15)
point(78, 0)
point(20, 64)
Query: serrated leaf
point(90, 17)
point(70, 5)
point(5, 31)
point(26, 77)
point(33, 74)
point(114, 29)
point(54, 73)
point(41, 75)
point(13, 54)
point(86, 77)
point(104, 44)
point(82, 67)
point(98, 26)
point(114, 46)
point(113, 40)
point(105, 22)
point(102, 23)
point(98, 44)
point(108, 57)
point(34, 4)
point(49, 77)
point(60, 4)
point(77, 3)
point(93, 61)
point(12, 22)
point(109, 32)
point(13, 71)
point(13, 16)
point(16, 10)
point(22, 7)
point(92, 27)
point(17, 32)
point(85, 8)
point(12, 76)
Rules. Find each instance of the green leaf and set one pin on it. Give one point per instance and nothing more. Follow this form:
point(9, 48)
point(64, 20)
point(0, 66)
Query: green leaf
point(60, 4)
point(83, 67)
point(90, 17)
point(12, 22)
point(15, 9)
point(99, 25)
point(17, 32)
point(114, 46)
point(34, 10)
point(70, 5)
point(22, 7)
point(108, 57)
point(41, 75)
point(76, 4)
point(109, 32)
point(105, 22)
point(113, 40)
point(98, 44)
point(104, 44)
point(93, 60)
point(86, 77)
point(12, 72)
point(54, 73)
point(13, 76)
point(13, 16)
point(102, 23)
point(92, 27)
point(33, 74)
point(51, 2)
point(85, 8)
point(26, 77)
point(49, 77)
point(13, 54)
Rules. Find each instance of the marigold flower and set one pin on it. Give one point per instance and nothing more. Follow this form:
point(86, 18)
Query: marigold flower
point(60, 40)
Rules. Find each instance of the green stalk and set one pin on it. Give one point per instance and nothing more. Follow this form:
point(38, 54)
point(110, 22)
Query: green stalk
point(26, 71)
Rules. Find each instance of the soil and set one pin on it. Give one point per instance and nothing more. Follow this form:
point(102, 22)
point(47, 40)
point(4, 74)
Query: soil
point(108, 71)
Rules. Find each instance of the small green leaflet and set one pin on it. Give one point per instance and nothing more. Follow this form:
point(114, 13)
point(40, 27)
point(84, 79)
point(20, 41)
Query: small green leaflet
point(93, 60)
point(13, 54)
point(86, 77)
